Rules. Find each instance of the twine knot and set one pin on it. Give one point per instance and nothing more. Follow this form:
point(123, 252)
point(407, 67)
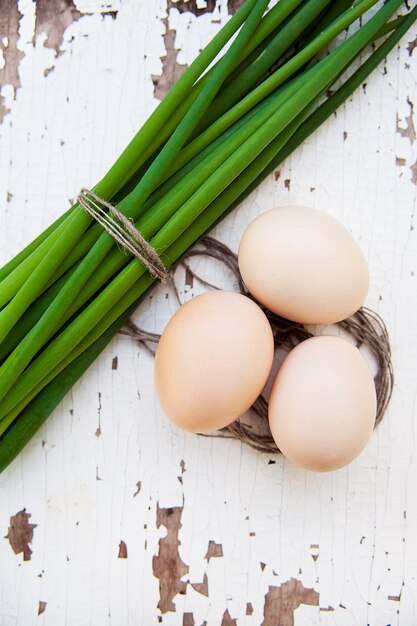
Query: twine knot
point(124, 232)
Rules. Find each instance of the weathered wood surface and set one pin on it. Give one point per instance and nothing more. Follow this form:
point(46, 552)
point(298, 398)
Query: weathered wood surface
point(111, 515)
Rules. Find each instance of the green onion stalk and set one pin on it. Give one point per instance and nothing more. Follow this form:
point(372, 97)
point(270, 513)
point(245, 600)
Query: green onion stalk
point(226, 124)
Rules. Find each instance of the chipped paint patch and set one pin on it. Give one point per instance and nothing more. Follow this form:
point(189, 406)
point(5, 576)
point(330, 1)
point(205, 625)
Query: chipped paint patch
point(227, 620)
point(10, 17)
point(198, 7)
point(202, 587)
point(234, 5)
point(413, 169)
point(249, 608)
point(396, 598)
point(168, 566)
point(411, 45)
point(406, 128)
point(53, 18)
point(281, 602)
point(122, 550)
point(41, 607)
point(20, 534)
point(409, 130)
point(214, 550)
point(98, 429)
point(171, 69)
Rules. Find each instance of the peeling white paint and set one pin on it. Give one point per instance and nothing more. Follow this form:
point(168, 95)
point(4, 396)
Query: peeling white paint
point(352, 534)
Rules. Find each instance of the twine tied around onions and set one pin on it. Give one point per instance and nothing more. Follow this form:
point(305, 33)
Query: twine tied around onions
point(123, 231)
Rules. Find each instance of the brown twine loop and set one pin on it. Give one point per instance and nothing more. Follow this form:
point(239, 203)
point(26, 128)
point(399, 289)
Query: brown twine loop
point(365, 327)
point(124, 232)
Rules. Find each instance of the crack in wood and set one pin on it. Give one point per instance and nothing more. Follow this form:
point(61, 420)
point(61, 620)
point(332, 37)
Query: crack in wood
point(281, 602)
point(168, 566)
point(189, 278)
point(20, 534)
point(182, 466)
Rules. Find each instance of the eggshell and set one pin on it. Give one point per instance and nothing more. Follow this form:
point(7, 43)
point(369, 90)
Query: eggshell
point(323, 404)
point(303, 265)
point(213, 360)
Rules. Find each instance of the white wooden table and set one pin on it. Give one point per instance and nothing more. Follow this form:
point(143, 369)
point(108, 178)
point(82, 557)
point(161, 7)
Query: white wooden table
point(134, 522)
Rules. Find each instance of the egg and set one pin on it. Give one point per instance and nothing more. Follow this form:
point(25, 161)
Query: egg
point(213, 360)
point(322, 405)
point(303, 265)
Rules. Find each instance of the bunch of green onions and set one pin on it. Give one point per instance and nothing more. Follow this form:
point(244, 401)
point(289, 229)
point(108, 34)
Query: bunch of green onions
point(224, 126)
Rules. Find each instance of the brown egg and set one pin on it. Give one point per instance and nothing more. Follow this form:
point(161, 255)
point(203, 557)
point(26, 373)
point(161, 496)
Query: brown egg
point(304, 265)
point(213, 360)
point(323, 404)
